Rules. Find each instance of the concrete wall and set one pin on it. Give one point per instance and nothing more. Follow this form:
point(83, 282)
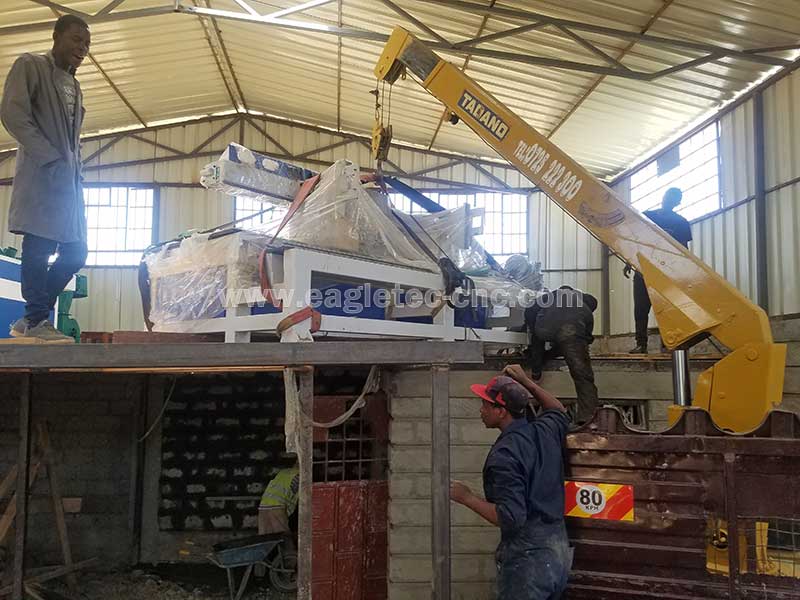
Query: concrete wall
point(91, 426)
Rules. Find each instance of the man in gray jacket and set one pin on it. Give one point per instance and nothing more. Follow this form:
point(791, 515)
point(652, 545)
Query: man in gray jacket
point(42, 108)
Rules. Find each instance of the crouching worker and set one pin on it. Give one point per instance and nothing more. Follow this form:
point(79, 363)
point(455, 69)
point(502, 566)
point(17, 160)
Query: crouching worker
point(279, 503)
point(523, 482)
point(565, 319)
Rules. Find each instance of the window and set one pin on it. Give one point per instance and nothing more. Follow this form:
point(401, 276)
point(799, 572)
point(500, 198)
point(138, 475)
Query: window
point(505, 220)
point(694, 169)
point(119, 222)
point(245, 207)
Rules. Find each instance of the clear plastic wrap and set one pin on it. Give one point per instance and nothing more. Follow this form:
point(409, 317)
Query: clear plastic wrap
point(242, 172)
point(190, 279)
point(340, 215)
point(450, 232)
point(524, 271)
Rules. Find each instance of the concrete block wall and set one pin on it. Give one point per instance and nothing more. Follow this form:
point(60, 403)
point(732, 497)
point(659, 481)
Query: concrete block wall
point(91, 424)
point(473, 540)
point(221, 437)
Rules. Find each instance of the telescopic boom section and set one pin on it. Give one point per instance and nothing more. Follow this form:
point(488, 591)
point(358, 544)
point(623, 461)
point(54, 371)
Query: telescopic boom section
point(690, 300)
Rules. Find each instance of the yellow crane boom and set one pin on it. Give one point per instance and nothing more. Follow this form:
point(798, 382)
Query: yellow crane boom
point(691, 301)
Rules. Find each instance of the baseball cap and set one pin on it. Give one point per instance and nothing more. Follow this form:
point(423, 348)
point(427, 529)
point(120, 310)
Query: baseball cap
point(503, 391)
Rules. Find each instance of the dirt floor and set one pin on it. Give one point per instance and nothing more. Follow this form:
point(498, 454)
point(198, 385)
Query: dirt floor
point(196, 582)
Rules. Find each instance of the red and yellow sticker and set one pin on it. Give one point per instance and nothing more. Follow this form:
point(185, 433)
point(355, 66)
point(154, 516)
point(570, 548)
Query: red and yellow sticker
point(606, 501)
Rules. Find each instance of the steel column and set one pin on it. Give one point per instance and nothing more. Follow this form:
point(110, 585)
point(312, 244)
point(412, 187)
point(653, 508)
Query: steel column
point(762, 273)
point(681, 384)
point(440, 481)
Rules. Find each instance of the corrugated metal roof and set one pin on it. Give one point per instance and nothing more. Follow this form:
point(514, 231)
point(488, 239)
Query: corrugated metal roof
point(165, 67)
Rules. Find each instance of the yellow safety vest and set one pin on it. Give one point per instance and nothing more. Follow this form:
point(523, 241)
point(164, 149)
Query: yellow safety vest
point(283, 491)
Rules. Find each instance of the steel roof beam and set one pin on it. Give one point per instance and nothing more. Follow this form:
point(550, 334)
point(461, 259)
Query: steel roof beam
point(299, 8)
point(717, 52)
point(220, 53)
point(411, 18)
point(658, 14)
point(591, 47)
point(500, 34)
point(749, 55)
point(62, 8)
point(90, 19)
point(109, 7)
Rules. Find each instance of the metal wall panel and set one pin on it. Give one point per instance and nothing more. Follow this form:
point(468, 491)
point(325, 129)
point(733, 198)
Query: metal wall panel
point(783, 247)
point(113, 302)
point(727, 243)
point(737, 155)
point(569, 254)
point(782, 130)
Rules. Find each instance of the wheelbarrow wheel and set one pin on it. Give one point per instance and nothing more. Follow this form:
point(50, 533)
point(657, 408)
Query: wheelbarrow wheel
point(283, 572)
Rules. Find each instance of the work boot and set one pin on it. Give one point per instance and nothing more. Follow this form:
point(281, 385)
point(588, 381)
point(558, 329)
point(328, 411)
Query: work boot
point(639, 349)
point(44, 333)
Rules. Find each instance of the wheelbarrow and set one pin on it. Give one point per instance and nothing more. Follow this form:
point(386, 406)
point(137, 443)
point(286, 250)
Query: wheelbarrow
point(269, 550)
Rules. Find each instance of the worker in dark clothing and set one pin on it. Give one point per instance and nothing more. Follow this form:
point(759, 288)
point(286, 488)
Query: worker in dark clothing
point(564, 319)
point(523, 484)
point(42, 108)
point(678, 227)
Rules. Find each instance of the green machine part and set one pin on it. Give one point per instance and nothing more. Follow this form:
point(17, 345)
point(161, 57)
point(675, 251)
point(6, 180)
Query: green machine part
point(66, 324)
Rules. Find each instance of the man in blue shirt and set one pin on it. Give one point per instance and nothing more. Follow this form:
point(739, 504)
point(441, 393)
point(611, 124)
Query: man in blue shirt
point(523, 482)
point(680, 229)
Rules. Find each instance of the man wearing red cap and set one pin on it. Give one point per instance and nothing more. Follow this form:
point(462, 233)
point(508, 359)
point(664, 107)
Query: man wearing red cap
point(523, 482)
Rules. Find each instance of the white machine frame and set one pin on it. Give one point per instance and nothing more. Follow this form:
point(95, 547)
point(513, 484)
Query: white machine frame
point(292, 273)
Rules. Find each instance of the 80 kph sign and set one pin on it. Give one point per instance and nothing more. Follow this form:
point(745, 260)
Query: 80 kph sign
point(591, 499)
point(606, 501)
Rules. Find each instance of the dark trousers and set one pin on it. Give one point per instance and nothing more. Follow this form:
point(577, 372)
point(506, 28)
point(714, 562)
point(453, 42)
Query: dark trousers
point(42, 283)
point(641, 309)
point(570, 342)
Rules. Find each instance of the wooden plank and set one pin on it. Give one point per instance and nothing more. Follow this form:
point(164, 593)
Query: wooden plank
point(305, 456)
point(8, 482)
point(51, 574)
point(21, 497)
point(58, 504)
point(11, 511)
point(440, 481)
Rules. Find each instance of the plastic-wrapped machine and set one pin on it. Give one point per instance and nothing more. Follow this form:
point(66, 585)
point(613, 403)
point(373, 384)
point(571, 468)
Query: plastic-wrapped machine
point(340, 215)
point(450, 232)
point(523, 270)
point(193, 279)
point(242, 172)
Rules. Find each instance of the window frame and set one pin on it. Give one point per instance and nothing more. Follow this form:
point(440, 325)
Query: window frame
point(154, 190)
point(478, 200)
point(653, 198)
